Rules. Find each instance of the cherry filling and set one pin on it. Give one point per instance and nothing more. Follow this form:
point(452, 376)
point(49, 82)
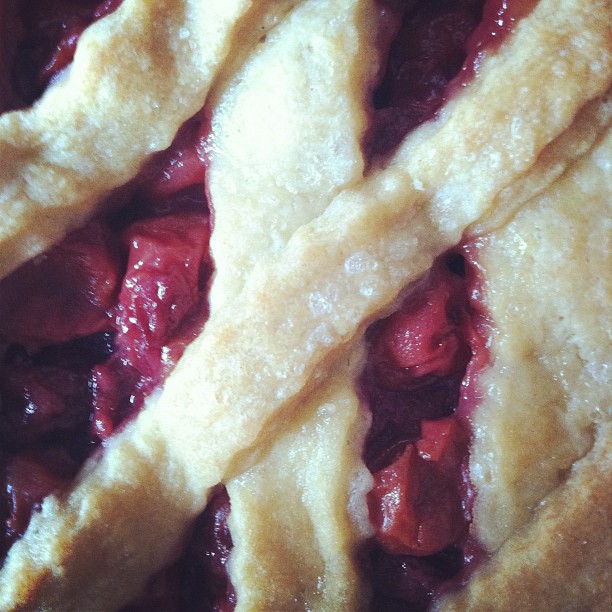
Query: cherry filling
point(427, 52)
point(38, 41)
point(90, 328)
point(422, 361)
point(436, 47)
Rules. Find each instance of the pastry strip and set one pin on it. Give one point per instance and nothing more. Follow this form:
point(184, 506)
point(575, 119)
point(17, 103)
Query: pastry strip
point(560, 561)
point(287, 138)
point(541, 457)
point(341, 258)
point(91, 132)
point(550, 302)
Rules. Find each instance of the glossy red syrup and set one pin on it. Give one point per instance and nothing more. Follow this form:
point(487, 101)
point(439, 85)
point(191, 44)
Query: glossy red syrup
point(436, 47)
point(38, 39)
point(422, 366)
point(498, 21)
point(90, 328)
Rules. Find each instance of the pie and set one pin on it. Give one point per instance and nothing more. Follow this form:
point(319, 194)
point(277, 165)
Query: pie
point(304, 304)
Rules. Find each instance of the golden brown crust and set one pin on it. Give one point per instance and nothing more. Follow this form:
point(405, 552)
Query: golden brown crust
point(487, 155)
point(548, 299)
point(541, 460)
point(91, 132)
point(561, 560)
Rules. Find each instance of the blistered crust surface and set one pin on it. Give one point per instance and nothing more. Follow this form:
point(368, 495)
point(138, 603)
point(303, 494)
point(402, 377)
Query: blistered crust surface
point(280, 151)
point(138, 74)
point(293, 519)
point(541, 459)
point(487, 155)
point(560, 561)
point(548, 293)
point(286, 134)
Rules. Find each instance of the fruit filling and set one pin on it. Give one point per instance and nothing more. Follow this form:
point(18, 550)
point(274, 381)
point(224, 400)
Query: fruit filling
point(419, 384)
point(90, 328)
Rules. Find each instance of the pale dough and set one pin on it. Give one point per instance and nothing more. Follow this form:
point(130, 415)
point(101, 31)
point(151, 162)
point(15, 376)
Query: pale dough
point(500, 161)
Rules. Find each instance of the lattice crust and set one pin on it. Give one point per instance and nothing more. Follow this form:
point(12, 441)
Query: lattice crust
point(292, 525)
point(541, 459)
point(520, 157)
point(138, 76)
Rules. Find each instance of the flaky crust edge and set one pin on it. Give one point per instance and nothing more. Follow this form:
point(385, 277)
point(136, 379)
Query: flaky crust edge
point(586, 476)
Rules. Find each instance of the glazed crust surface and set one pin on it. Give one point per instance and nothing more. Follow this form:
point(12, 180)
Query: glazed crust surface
point(494, 164)
point(561, 559)
point(92, 131)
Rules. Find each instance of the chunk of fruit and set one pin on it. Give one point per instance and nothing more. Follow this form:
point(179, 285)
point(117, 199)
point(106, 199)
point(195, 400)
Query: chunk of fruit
point(29, 480)
point(116, 393)
point(162, 286)
point(178, 167)
point(416, 504)
point(424, 339)
point(63, 294)
point(38, 401)
point(442, 441)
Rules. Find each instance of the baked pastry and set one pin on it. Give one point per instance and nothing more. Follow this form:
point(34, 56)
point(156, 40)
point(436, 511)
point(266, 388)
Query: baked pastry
point(422, 273)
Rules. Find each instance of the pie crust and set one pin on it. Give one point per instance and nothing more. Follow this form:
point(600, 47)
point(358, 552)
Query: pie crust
point(311, 245)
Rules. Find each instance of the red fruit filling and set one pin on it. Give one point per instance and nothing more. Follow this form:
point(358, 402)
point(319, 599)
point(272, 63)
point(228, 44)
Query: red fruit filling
point(81, 275)
point(415, 504)
point(89, 328)
point(436, 47)
point(421, 366)
point(38, 39)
